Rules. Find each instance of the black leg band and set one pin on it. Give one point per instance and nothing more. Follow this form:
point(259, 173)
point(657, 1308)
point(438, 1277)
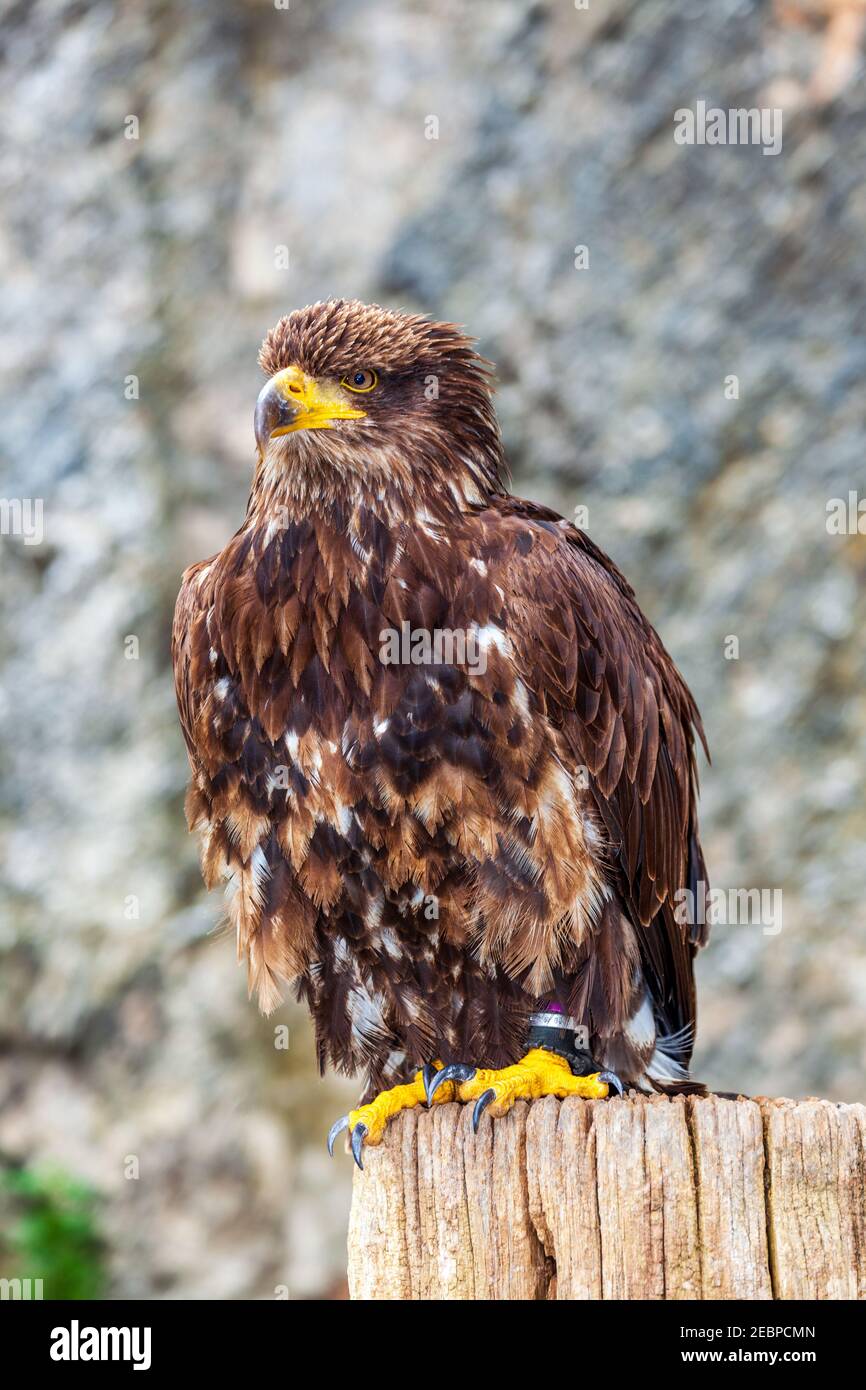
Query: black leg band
point(565, 1042)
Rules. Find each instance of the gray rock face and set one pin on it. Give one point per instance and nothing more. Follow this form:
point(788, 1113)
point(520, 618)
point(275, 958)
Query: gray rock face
point(139, 276)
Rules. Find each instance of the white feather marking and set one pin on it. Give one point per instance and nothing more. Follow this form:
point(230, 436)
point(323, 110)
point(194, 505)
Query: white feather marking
point(521, 698)
point(641, 1027)
point(260, 871)
point(367, 1012)
point(491, 636)
point(664, 1068)
point(391, 944)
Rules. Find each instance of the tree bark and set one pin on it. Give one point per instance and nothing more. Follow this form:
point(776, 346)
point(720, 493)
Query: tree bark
point(635, 1198)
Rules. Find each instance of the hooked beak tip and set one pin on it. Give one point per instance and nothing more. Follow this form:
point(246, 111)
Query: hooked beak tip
point(273, 412)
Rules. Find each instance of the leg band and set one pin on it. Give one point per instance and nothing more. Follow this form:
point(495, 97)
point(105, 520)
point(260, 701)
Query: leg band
point(557, 1033)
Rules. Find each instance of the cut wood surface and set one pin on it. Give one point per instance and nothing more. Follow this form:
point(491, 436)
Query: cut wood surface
point(632, 1198)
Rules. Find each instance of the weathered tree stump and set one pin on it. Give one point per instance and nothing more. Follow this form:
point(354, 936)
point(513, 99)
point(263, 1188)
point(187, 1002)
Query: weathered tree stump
point(634, 1198)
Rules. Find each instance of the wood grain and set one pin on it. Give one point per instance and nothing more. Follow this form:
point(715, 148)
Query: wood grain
point(633, 1198)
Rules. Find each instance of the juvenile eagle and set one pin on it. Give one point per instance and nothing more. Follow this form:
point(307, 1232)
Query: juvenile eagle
point(442, 758)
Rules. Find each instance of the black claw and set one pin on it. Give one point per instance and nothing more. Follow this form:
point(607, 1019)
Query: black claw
point(455, 1071)
point(428, 1071)
point(359, 1134)
point(336, 1128)
point(613, 1081)
point(480, 1106)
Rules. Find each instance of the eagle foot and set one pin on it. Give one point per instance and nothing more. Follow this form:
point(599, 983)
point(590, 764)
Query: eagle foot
point(367, 1124)
point(539, 1073)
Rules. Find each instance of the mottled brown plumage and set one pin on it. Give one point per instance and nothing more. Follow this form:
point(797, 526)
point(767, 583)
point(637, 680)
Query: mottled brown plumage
point(428, 851)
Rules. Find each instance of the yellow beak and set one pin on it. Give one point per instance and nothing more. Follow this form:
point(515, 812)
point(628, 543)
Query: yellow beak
point(291, 401)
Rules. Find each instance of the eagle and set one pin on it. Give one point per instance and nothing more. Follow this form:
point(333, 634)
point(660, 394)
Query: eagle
point(441, 759)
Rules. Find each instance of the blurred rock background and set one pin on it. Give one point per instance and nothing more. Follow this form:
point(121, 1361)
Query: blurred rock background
point(131, 1065)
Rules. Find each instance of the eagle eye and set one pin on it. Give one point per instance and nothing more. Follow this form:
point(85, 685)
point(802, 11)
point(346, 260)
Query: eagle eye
point(360, 381)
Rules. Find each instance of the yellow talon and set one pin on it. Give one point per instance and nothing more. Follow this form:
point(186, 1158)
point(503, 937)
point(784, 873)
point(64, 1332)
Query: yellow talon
point(377, 1112)
point(374, 1116)
point(539, 1073)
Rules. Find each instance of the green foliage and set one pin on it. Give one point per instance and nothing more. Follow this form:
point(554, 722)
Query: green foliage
point(53, 1234)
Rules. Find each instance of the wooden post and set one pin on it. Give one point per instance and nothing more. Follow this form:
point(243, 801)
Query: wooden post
point(634, 1198)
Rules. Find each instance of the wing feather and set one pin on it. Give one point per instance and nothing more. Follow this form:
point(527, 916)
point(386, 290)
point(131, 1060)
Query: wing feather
point(629, 717)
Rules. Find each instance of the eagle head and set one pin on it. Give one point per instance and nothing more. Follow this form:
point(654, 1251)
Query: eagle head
point(361, 397)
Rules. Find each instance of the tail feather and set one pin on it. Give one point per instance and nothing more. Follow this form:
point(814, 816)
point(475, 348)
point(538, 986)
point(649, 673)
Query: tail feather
point(665, 1072)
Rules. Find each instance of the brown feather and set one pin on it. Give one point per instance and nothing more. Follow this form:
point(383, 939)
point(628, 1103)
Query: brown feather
point(417, 847)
